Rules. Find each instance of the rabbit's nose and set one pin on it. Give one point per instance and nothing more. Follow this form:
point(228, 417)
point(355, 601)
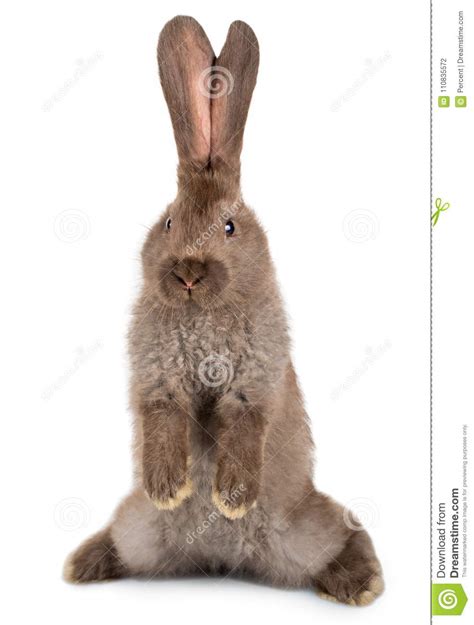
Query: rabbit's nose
point(189, 273)
point(187, 284)
point(191, 283)
point(187, 281)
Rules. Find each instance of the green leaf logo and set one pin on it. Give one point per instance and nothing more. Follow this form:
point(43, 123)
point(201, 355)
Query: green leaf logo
point(447, 599)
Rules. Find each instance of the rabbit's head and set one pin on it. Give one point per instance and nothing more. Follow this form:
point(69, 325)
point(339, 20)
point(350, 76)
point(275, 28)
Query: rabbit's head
point(208, 249)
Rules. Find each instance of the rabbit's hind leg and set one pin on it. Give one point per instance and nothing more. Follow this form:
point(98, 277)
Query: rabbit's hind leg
point(95, 560)
point(136, 543)
point(314, 546)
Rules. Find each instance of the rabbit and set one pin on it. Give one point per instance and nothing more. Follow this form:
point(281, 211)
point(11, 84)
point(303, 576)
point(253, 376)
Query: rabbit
point(222, 444)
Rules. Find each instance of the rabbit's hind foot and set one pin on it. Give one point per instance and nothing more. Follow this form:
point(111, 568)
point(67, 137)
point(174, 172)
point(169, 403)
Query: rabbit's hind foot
point(355, 576)
point(94, 561)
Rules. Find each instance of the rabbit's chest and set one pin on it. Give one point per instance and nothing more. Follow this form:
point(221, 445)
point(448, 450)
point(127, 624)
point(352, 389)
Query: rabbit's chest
point(197, 354)
point(204, 355)
point(195, 346)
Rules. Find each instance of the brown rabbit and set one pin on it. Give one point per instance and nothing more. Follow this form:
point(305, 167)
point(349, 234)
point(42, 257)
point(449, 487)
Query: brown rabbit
point(222, 443)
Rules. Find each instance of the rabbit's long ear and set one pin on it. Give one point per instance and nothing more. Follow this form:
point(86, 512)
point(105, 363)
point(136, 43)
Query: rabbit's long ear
point(234, 78)
point(185, 58)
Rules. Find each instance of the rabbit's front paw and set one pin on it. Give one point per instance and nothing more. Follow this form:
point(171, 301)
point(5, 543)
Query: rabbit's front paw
point(167, 485)
point(234, 495)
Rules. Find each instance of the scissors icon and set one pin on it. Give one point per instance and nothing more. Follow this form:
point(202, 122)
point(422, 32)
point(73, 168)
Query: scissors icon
point(439, 209)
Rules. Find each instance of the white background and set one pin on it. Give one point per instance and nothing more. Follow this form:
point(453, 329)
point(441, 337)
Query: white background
point(325, 137)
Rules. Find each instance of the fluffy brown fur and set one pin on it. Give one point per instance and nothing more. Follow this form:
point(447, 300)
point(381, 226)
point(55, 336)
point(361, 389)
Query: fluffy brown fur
point(222, 444)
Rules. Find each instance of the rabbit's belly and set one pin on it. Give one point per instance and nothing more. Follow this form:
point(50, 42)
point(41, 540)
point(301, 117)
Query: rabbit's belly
point(209, 539)
point(212, 541)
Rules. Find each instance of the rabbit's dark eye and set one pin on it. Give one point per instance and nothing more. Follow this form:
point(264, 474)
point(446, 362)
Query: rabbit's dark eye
point(229, 228)
point(168, 223)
